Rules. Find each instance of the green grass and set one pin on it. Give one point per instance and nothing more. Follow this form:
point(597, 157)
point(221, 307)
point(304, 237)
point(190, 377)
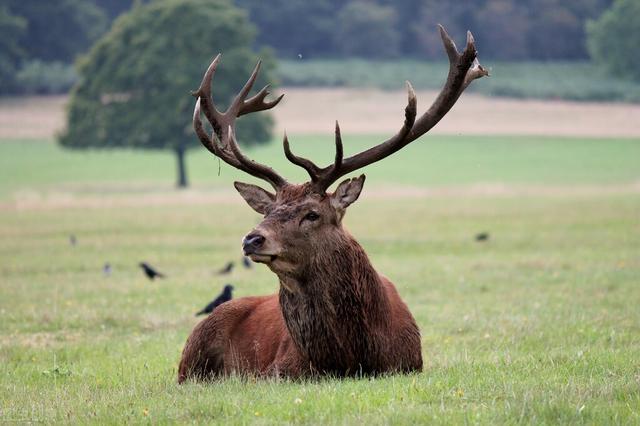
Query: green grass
point(538, 326)
point(436, 160)
point(580, 81)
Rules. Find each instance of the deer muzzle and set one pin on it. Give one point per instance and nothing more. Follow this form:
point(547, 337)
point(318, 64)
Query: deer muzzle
point(252, 243)
point(253, 246)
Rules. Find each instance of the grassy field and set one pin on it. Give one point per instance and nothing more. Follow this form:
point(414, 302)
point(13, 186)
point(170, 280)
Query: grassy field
point(579, 81)
point(30, 165)
point(539, 325)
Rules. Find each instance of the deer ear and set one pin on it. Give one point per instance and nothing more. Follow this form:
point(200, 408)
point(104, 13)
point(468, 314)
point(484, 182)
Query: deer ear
point(347, 192)
point(258, 198)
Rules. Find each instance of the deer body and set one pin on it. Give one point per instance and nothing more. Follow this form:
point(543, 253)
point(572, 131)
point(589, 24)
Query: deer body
point(245, 335)
point(334, 314)
point(250, 335)
point(337, 315)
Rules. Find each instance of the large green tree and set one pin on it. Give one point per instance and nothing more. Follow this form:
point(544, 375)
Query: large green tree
point(135, 84)
point(614, 38)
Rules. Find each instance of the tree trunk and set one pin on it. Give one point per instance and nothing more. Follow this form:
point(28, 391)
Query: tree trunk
point(182, 170)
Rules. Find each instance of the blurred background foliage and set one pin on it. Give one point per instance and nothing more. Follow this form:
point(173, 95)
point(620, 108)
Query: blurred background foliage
point(613, 39)
point(132, 63)
point(52, 34)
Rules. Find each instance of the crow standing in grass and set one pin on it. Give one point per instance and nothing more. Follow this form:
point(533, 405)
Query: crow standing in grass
point(246, 262)
point(225, 296)
point(482, 236)
point(106, 269)
point(227, 269)
point(149, 271)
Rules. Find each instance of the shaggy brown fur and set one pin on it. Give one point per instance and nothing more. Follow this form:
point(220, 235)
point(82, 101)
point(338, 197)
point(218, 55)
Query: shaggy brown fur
point(334, 313)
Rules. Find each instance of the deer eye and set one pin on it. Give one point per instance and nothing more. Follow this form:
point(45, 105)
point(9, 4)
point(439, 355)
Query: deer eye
point(312, 216)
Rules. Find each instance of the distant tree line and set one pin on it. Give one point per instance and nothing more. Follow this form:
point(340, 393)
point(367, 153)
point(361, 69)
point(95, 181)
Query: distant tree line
point(33, 33)
point(40, 39)
point(505, 29)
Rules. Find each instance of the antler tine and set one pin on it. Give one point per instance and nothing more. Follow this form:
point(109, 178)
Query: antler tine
point(306, 164)
point(226, 148)
point(341, 167)
point(410, 111)
point(337, 162)
point(199, 128)
point(461, 74)
point(204, 93)
point(257, 102)
point(318, 175)
point(463, 69)
point(207, 141)
point(476, 71)
point(239, 101)
point(449, 44)
point(255, 169)
point(331, 173)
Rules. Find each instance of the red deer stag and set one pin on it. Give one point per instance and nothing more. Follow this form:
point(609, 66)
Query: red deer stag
point(334, 314)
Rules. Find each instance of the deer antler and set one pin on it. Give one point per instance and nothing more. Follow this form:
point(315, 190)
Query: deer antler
point(222, 143)
point(463, 69)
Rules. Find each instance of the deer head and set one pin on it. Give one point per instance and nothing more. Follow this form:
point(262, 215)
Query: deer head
point(302, 221)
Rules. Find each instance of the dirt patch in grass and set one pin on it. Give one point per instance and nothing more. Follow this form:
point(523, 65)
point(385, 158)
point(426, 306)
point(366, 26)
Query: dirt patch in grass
point(41, 339)
point(373, 111)
point(32, 117)
point(368, 111)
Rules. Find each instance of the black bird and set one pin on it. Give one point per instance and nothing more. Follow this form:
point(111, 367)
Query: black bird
point(246, 262)
point(106, 269)
point(482, 236)
point(225, 296)
point(73, 240)
point(149, 271)
point(227, 269)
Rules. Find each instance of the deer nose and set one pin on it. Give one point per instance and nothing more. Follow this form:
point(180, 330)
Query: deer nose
point(252, 242)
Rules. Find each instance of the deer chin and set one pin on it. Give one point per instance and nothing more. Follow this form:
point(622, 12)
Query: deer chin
point(263, 257)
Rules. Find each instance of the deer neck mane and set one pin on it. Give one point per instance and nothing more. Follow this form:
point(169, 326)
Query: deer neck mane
point(335, 310)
